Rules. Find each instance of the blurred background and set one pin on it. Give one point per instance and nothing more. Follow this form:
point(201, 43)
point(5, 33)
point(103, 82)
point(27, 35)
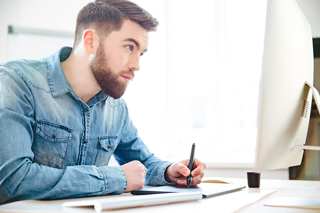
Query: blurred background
point(198, 82)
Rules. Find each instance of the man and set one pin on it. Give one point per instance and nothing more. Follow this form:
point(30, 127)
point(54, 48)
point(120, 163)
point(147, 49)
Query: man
point(62, 117)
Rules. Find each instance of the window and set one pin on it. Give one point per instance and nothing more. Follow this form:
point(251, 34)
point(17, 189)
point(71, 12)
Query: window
point(208, 79)
point(198, 81)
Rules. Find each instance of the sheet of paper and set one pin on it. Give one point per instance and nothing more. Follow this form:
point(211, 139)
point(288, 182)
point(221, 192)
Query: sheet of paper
point(236, 201)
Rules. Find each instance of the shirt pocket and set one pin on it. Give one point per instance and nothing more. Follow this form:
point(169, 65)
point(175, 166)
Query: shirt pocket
point(50, 143)
point(106, 147)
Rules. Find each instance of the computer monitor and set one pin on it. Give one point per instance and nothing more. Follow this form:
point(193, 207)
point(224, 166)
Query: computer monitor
point(286, 87)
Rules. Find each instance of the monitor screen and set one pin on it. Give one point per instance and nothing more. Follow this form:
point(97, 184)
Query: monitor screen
point(284, 98)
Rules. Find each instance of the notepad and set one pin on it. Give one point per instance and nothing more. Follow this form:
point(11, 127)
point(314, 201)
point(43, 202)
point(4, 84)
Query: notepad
point(207, 189)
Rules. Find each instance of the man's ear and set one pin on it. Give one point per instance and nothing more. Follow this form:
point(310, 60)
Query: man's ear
point(90, 41)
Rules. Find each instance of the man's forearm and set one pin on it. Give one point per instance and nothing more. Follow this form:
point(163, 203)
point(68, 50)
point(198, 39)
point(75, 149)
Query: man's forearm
point(21, 179)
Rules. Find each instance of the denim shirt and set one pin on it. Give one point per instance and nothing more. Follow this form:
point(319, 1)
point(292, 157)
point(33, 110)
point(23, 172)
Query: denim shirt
point(53, 145)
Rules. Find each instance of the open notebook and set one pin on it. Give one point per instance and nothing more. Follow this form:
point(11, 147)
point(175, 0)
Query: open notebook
point(207, 189)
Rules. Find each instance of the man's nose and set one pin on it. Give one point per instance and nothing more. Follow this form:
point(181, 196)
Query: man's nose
point(134, 63)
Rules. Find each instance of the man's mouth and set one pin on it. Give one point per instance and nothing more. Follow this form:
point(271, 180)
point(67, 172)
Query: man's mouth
point(127, 78)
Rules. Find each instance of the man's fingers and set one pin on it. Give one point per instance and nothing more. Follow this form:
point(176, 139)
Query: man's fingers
point(145, 170)
point(183, 170)
point(200, 166)
point(196, 171)
point(179, 172)
point(197, 179)
point(182, 182)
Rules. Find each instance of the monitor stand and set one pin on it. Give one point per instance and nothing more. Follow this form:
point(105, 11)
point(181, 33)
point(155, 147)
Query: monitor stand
point(300, 202)
point(316, 97)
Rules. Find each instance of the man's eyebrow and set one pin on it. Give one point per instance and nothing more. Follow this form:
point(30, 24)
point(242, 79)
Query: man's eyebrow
point(136, 43)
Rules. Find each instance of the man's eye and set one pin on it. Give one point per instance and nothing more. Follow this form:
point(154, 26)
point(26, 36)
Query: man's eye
point(129, 47)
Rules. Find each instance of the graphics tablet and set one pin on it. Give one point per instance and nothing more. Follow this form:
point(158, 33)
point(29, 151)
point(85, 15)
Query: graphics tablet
point(207, 189)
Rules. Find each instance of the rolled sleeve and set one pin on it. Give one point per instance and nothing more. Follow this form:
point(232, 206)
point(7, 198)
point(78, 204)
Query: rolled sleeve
point(157, 177)
point(115, 181)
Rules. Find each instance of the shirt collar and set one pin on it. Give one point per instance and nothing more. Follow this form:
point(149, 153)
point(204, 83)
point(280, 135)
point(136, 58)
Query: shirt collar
point(56, 78)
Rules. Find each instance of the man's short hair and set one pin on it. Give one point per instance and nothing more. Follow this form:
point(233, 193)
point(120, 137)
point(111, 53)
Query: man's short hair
point(105, 16)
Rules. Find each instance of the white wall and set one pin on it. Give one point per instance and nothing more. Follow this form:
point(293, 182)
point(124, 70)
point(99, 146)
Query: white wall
point(45, 14)
point(311, 9)
point(9, 14)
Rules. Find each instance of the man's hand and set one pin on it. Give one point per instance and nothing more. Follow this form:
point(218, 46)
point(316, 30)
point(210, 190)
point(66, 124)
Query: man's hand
point(136, 175)
point(178, 172)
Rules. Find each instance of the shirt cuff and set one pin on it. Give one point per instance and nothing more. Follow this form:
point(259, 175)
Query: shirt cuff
point(159, 178)
point(115, 181)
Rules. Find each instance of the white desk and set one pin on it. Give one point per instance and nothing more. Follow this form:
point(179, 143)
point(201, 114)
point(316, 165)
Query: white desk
point(240, 201)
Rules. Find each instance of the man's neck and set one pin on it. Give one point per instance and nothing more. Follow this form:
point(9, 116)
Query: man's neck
point(78, 74)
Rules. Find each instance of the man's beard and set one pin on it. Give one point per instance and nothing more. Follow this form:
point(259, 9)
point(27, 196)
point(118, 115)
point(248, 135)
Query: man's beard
point(106, 77)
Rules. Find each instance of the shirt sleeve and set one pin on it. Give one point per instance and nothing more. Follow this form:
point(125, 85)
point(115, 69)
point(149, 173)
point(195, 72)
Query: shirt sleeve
point(131, 147)
point(20, 178)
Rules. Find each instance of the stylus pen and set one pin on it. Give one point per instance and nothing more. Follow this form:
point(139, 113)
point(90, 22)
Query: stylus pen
point(189, 178)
